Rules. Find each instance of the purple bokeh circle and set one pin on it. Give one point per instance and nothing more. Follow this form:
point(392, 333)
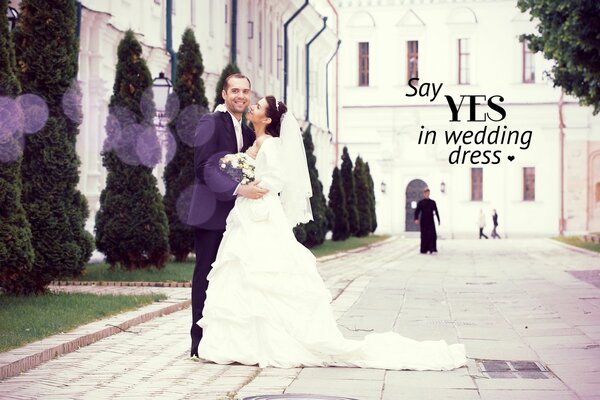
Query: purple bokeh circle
point(196, 205)
point(35, 112)
point(71, 103)
point(189, 126)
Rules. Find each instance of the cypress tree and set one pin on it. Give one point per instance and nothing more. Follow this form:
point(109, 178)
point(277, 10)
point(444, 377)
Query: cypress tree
point(313, 233)
point(337, 204)
point(131, 226)
point(179, 173)
point(371, 198)
point(47, 48)
point(16, 250)
point(349, 192)
point(229, 69)
point(363, 205)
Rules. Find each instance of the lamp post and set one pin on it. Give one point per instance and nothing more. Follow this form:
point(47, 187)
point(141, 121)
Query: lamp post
point(13, 16)
point(443, 187)
point(383, 187)
point(161, 89)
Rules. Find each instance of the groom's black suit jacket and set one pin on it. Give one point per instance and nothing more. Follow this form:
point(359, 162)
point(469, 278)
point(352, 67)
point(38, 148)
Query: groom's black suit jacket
point(215, 137)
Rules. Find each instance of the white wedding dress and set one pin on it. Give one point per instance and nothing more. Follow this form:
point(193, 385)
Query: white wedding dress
point(267, 304)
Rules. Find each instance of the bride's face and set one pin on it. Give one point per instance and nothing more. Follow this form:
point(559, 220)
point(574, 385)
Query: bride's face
point(257, 113)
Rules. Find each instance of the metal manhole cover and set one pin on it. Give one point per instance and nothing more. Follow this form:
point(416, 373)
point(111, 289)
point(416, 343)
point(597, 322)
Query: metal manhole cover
point(296, 397)
point(501, 369)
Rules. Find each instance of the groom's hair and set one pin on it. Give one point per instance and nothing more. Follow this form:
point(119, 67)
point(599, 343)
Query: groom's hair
point(237, 75)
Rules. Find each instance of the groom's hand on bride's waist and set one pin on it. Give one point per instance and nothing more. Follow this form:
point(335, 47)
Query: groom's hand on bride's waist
point(251, 191)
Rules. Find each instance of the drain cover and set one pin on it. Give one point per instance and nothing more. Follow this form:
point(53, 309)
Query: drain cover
point(501, 369)
point(296, 397)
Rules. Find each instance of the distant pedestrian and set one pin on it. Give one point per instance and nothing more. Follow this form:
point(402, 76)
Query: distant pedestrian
point(481, 224)
point(495, 221)
point(424, 217)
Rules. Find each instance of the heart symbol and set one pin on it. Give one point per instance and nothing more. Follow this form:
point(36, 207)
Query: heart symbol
point(510, 158)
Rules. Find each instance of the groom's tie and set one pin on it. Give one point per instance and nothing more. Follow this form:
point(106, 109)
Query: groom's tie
point(238, 136)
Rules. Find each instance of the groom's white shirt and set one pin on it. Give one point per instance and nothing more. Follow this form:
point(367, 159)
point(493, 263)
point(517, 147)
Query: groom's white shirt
point(237, 127)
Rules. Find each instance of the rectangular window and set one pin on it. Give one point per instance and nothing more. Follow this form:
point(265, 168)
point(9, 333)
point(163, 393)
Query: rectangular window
point(464, 66)
point(412, 59)
point(363, 64)
point(529, 184)
point(476, 184)
point(279, 52)
point(227, 29)
point(271, 60)
point(528, 64)
point(260, 40)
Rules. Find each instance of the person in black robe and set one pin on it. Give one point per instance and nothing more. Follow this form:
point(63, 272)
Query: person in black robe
point(424, 217)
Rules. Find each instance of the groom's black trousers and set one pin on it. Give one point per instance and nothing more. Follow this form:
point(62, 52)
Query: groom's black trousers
point(206, 243)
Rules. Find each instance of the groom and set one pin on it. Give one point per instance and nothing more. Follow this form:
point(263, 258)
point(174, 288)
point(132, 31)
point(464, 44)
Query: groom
point(218, 133)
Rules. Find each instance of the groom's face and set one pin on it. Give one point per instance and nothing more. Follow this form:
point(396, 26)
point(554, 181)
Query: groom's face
point(237, 96)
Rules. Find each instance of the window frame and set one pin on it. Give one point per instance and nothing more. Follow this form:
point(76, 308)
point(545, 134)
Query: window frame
point(363, 64)
point(477, 184)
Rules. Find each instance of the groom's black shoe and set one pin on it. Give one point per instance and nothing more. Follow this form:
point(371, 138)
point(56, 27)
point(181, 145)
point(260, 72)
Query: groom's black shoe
point(196, 333)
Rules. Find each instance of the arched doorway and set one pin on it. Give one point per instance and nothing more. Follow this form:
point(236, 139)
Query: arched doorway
point(414, 193)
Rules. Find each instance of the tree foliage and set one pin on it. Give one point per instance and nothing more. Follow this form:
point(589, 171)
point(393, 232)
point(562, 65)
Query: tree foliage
point(337, 204)
point(313, 233)
point(179, 173)
point(349, 192)
point(47, 50)
point(16, 250)
point(131, 226)
point(363, 198)
point(371, 198)
point(568, 33)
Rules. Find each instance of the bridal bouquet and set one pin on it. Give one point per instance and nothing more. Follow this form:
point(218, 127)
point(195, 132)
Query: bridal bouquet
point(238, 166)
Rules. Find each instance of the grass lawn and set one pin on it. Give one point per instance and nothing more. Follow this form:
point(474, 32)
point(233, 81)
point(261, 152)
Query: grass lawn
point(579, 242)
point(27, 319)
point(330, 247)
point(175, 272)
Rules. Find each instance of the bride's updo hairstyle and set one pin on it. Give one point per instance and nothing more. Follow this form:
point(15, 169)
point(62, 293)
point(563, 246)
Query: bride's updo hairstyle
point(275, 111)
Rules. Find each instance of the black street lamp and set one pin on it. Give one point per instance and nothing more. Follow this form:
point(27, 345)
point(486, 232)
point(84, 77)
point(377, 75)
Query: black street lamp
point(13, 16)
point(161, 89)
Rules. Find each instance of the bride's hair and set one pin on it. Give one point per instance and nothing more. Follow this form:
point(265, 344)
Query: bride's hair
point(274, 111)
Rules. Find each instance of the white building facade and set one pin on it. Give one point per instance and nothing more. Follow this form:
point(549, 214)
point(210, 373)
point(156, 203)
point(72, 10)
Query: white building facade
point(472, 47)
point(259, 54)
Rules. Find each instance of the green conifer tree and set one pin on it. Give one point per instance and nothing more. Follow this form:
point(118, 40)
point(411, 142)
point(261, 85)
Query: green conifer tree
point(179, 173)
point(363, 205)
point(47, 50)
point(337, 204)
point(371, 198)
point(131, 226)
point(313, 232)
point(349, 191)
point(16, 250)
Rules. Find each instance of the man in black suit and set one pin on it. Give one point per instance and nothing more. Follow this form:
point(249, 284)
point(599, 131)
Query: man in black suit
point(214, 195)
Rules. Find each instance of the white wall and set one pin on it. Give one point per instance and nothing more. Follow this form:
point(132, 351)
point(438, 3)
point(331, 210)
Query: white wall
point(382, 125)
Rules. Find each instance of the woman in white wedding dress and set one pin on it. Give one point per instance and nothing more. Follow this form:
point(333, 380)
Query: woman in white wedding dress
point(266, 302)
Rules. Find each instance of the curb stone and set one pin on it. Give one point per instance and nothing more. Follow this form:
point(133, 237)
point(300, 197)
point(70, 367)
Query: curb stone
point(16, 361)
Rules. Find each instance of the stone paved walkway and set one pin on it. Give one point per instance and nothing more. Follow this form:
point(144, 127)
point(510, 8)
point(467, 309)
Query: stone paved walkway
point(512, 300)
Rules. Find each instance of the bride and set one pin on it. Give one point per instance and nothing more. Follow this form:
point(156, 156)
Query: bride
point(266, 303)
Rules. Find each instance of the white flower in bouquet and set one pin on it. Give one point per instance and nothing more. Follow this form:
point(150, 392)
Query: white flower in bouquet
point(238, 166)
